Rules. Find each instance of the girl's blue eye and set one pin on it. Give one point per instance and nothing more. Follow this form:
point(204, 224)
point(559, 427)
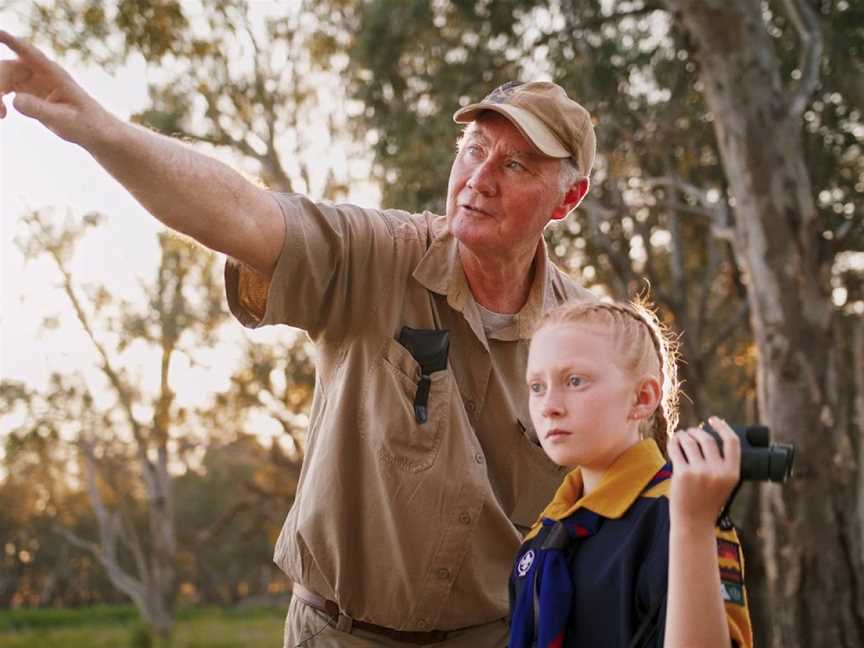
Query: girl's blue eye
point(535, 388)
point(574, 381)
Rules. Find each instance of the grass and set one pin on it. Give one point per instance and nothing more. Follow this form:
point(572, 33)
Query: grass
point(120, 627)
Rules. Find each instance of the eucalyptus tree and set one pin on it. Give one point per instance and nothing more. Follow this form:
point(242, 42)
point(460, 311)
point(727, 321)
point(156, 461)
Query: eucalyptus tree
point(786, 246)
point(130, 443)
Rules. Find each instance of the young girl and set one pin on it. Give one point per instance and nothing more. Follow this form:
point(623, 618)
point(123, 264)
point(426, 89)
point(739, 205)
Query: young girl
point(627, 553)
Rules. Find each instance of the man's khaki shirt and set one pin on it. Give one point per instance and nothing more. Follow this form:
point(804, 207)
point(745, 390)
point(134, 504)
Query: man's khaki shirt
point(405, 525)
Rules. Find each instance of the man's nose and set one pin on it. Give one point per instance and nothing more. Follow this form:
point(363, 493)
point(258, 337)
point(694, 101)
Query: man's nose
point(482, 179)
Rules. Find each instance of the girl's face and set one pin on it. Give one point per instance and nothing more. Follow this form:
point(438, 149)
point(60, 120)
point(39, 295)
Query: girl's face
point(581, 400)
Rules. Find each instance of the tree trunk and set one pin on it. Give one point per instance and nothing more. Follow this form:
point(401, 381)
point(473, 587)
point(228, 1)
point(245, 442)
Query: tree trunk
point(858, 394)
point(812, 539)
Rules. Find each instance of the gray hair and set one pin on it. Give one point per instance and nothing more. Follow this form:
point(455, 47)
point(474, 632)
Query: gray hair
point(569, 175)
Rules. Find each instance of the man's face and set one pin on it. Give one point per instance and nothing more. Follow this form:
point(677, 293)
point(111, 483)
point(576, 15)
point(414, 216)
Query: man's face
point(502, 191)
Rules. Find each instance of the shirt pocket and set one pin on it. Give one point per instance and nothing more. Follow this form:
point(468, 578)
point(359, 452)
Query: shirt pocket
point(537, 477)
point(389, 422)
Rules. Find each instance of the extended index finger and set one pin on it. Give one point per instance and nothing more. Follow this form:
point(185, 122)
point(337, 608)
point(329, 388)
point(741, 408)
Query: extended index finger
point(23, 49)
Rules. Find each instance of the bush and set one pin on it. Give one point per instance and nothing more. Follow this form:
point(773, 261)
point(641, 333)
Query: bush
point(141, 637)
point(36, 618)
point(120, 627)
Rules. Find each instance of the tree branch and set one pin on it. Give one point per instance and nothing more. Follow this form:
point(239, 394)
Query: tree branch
point(109, 529)
point(599, 21)
point(210, 533)
point(112, 374)
point(622, 269)
point(705, 285)
point(708, 349)
point(806, 22)
point(79, 542)
point(130, 539)
point(717, 212)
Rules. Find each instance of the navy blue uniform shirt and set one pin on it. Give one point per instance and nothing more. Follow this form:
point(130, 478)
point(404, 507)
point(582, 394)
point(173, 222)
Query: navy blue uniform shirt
point(619, 574)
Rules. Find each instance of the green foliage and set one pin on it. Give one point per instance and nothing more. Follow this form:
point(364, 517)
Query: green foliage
point(231, 497)
point(84, 637)
point(118, 627)
point(228, 519)
point(241, 76)
point(412, 64)
point(45, 618)
point(152, 28)
point(89, 26)
point(141, 637)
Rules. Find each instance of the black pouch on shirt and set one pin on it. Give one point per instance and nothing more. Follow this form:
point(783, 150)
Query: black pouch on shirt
point(429, 348)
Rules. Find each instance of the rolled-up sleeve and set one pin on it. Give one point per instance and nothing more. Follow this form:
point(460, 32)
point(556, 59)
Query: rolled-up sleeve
point(334, 260)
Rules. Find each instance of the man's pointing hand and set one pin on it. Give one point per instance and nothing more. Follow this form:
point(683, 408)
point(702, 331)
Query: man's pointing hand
point(46, 92)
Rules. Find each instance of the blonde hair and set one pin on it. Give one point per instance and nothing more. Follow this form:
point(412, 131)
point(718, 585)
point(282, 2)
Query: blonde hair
point(646, 345)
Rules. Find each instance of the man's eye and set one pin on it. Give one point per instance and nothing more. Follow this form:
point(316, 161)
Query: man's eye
point(574, 381)
point(515, 165)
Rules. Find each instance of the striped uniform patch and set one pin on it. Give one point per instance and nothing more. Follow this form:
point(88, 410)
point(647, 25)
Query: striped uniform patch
point(731, 578)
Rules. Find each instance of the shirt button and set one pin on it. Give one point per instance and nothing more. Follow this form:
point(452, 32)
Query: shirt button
point(465, 518)
point(479, 458)
point(443, 573)
point(421, 623)
point(470, 406)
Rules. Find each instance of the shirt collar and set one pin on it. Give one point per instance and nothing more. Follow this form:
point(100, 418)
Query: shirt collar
point(440, 271)
point(621, 484)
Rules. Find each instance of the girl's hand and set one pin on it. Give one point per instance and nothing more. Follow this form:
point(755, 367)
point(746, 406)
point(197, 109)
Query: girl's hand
point(702, 478)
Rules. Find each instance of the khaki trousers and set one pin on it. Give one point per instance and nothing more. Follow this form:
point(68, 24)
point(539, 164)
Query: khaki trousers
point(306, 627)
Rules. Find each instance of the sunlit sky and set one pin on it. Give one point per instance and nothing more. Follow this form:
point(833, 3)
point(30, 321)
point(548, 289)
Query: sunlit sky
point(40, 171)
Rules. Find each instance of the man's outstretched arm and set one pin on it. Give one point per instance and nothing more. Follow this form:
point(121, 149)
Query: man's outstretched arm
point(189, 192)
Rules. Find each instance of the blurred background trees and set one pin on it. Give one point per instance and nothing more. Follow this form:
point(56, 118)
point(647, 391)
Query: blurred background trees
point(702, 155)
point(167, 487)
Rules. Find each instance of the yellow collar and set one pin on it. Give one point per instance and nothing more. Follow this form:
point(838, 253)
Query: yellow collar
point(619, 487)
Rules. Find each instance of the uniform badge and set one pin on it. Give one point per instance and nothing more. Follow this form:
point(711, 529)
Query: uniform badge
point(731, 578)
point(525, 563)
point(732, 593)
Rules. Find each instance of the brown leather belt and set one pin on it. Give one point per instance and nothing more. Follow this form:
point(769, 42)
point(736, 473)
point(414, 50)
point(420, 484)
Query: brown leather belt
point(331, 609)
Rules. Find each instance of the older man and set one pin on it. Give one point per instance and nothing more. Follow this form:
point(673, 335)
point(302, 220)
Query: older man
point(421, 466)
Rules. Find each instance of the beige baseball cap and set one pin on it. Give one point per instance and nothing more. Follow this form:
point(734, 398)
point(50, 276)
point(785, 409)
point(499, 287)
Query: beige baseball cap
point(545, 115)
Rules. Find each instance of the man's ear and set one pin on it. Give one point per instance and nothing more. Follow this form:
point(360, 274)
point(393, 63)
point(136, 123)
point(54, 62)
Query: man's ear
point(571, 199)
point(648, 394)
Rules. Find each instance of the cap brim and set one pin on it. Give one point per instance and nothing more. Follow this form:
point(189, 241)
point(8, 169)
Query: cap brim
point(534, 130)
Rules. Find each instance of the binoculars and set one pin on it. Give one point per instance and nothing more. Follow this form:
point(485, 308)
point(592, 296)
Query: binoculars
point(761, 460)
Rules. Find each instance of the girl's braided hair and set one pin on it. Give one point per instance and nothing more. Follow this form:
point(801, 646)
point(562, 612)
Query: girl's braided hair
point(646, 345)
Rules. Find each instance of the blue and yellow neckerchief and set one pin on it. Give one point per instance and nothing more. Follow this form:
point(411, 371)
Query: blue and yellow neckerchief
point(542, 606)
